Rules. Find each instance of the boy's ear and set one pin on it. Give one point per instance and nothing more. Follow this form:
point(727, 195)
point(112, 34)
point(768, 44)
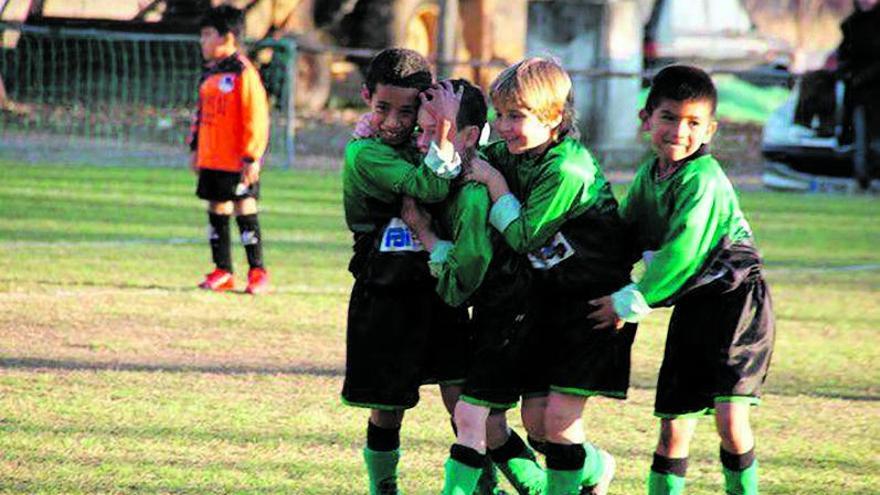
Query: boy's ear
point(713, 126)
point(470, 136)
point(645, 117)
point(365, 94)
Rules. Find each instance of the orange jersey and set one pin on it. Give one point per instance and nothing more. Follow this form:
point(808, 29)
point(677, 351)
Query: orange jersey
point(231, 126)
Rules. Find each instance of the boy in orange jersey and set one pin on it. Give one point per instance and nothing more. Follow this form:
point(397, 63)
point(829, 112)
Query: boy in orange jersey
point(228, 139)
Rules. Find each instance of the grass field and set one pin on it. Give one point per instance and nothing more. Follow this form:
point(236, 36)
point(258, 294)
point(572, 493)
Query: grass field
point(118, 376)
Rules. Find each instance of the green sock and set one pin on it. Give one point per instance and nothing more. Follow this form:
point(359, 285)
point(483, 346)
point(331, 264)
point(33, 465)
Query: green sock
point(518, 464)
point(594, 465)
point(665, 484)
point(382, 470)
point(564, 482)
point(488, 482)
point(461, 479)
point(743, 482)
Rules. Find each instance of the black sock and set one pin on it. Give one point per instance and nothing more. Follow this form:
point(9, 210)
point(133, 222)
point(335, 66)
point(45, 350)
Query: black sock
point(467, 456)
point(668, 465)
point(219, 238)
point(737, 462)
point(562, 457)
point(251, 239)
point(539, 446)
point(382, 439)
point(513, 447)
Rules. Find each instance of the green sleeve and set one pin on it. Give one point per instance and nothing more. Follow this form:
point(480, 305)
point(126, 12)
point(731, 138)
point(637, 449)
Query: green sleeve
point(462, 272)
point(691, 235)
point(385, 170)
point(548, 205)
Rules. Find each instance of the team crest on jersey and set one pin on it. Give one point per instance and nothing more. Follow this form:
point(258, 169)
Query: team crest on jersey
point(397, 237)
point(551, 254)
point(227, 83)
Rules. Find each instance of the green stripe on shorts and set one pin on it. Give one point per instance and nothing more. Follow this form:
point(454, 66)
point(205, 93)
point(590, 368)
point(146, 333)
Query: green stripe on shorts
point(381, 407)
point(486, 403)
point(694, 414)
point(587, 393)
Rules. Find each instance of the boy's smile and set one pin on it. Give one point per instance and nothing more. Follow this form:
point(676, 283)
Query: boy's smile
point(394, 111)
point(521, 129)
point(679, 128)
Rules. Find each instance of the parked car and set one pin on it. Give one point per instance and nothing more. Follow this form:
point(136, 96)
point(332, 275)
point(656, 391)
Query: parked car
point(820, 132)
point(716, 35)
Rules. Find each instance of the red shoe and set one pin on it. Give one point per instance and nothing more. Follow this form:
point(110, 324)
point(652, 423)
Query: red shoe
point(219, 280)
point(258, 281)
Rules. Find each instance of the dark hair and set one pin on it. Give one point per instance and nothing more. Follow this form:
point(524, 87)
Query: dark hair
point(399, 67)
point(225, 19)
point(473, 109)
point(681, 83)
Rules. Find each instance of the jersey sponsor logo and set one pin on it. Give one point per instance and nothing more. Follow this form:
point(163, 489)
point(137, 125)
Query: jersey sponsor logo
point(551, 254)
point(397, 237)
point(226, 84)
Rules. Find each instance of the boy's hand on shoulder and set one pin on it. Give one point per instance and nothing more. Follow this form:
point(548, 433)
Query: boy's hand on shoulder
point(364, 128)
point(479, 170)
point(250, 173)
point(604, 317)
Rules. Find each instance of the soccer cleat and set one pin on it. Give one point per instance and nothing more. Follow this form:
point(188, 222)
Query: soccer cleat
point(601, 488)
point(258, 281)
point(219, 280)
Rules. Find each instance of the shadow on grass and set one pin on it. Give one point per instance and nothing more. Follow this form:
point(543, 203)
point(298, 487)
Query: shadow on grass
point(189, 435)
point(220, 369)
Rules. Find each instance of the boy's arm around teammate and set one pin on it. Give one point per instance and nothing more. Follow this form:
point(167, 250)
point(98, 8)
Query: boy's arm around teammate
point(702, 209)
point(459, 264)
point(566, 182)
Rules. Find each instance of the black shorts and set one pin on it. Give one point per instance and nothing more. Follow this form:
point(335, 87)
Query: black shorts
point(219, 185)
point(397, 340)
point(580, 359)
point(718, 349)
point(499, 366)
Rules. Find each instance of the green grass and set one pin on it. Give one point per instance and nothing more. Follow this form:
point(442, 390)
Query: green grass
point(117, 376)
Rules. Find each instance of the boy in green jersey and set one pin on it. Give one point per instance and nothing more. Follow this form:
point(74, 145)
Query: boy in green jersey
point(552, 201)
point(400, 334)
point(684, 213)
point(475, 268)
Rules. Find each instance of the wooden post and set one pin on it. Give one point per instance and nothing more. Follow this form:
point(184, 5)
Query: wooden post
point(446, 38)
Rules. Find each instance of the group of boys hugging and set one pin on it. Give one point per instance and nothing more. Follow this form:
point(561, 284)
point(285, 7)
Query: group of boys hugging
point(526, 233)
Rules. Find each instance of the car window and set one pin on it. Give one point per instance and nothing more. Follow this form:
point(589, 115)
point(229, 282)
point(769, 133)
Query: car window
point(682, 17)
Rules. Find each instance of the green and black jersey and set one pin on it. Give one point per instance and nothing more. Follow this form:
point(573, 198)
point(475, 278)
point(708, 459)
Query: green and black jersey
point(681, 219)
point(563, 214)
point(375, 177)
point(461, 263)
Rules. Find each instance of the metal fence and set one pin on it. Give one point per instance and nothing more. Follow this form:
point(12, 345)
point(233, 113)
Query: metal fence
point(111, 97)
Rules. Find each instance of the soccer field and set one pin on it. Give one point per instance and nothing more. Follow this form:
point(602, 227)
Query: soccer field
point(117, 375)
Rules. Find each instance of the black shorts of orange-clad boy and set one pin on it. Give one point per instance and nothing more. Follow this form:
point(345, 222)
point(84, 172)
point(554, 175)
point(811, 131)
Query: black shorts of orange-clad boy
point(399, 339)
point(580, 359)
point(718, 348)
point(219, 185)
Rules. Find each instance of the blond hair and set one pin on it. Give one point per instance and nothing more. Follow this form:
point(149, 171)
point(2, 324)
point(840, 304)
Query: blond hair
point(541, 86)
